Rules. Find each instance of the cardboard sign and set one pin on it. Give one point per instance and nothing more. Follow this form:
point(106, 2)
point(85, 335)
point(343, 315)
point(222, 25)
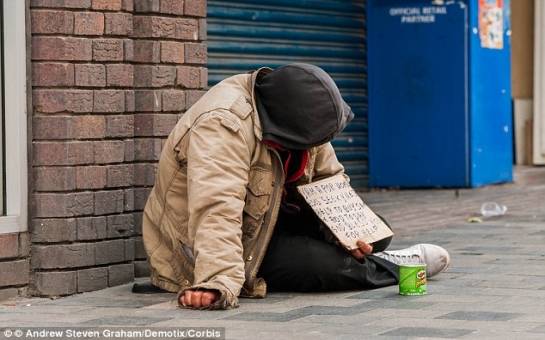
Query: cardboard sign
point(341, 209)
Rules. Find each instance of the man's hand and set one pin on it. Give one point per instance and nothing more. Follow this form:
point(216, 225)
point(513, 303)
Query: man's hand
point(359, 253)
point(199, 298)
point(362, 251)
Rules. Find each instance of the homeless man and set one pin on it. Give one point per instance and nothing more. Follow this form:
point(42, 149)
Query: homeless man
point(224, 219)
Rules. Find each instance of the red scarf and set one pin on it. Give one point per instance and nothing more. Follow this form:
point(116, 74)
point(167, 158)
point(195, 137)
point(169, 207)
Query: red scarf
point(292, 171)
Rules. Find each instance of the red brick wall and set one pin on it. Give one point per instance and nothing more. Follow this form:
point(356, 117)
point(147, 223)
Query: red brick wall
point(14, 265)
point(109, 80)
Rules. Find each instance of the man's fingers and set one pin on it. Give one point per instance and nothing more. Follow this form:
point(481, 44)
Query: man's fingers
point(365, 248)
point(209, 298)
point(199, 298)
point(187, 298)
point(362, 251)
point(357, 253)
point(196, 299)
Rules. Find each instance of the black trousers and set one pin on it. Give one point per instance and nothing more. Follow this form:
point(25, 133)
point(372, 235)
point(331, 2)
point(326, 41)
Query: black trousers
point(299, 259)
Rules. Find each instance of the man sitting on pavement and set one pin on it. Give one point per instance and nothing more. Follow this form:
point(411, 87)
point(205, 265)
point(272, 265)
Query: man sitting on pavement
point(224, 219)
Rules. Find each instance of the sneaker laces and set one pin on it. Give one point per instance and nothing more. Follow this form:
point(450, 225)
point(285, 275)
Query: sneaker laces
point(413, 258)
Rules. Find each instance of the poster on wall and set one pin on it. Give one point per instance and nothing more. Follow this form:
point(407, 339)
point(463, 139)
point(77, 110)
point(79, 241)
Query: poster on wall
point(491, 23)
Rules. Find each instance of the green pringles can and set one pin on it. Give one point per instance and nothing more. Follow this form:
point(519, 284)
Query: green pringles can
point(412, 279)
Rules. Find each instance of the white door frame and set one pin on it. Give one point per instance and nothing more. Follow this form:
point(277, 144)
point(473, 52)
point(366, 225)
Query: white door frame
point(539, 84)
point(15, 110)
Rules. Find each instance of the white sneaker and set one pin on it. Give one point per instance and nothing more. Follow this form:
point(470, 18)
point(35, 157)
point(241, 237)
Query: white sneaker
point(437, 259)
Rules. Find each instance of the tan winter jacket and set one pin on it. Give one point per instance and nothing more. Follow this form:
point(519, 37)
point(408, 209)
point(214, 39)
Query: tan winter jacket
point(211, 213)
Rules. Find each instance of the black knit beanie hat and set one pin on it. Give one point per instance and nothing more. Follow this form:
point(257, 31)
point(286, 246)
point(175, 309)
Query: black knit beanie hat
point(300, 106)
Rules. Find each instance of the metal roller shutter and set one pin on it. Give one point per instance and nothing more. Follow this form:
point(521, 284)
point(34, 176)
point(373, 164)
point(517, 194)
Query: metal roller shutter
point(245, 35)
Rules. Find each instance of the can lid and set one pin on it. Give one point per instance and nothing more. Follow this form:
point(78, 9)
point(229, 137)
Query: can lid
point(412, 265)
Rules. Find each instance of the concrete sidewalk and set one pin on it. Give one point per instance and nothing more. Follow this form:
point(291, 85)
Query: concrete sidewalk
point(494, 288)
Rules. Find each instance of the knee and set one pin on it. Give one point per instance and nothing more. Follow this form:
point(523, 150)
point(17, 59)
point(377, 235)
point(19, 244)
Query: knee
point(382, 244)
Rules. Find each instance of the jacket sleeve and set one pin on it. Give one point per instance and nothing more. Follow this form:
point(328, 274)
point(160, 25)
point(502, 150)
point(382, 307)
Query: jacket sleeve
point(326, 163)
point(218, 161)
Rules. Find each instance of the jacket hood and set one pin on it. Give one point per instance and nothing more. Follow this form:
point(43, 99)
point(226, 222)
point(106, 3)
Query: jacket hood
point(299, 106)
